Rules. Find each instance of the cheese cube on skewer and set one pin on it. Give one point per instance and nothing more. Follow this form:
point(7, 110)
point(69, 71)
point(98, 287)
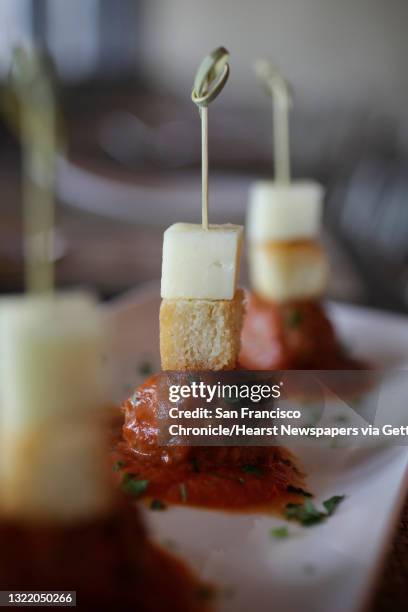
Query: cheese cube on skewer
point(50, 358)
point(285, 260)
point(284, 212)
point(53, 385)
point(199, 263)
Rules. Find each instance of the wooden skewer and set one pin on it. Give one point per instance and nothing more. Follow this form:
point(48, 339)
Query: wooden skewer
point(276, 86)
point(32, 87)
point(211, 77)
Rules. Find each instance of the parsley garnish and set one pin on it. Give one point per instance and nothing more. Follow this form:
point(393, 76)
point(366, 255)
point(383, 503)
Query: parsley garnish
point(133, 486)
point(252, 469)
point(118, 465)
point(183, 492)
point(307, 514)
point(280, 533)
point(294, 318)
point(341, 418)
point(332, 503)
point(298, 491)
point(157, 504)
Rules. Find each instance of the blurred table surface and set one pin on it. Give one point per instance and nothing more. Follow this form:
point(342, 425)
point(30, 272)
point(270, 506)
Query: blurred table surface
point(112, 256)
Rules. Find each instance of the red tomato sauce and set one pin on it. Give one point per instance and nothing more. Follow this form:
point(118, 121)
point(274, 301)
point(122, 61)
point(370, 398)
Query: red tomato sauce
point(109, 562)
point(227, 478)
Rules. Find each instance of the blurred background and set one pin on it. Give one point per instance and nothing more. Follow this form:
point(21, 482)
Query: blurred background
point(125, 72)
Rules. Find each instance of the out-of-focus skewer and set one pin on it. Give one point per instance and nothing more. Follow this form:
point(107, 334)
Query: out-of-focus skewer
point(32, 88)
point(279, 90)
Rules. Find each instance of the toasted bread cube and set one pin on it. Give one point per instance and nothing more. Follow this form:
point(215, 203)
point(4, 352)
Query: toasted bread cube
point(283, 271)
point(201, 334)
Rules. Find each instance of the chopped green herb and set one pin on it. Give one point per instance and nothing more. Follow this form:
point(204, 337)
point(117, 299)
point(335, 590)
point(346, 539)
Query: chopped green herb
point(307, 514)
point(331, 504)
point(194, 463)
point(298, 491)
point(341, 418)
point(145, 368)
point(118, 465)
point(241, 481)
point(252, 469)
point(157, 504)
point(133, 486)
point(293, 318)
point(183, 492)
point(280, 533)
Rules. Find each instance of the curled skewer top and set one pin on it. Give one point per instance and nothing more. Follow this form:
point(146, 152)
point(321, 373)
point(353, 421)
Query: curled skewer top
point(273, 82)
point(211, 76)
point(280, 92)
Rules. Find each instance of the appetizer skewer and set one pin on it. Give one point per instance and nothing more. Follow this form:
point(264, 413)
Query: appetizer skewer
point(63, 525)
point(51, 374)
point(285, 326)
point(201, 310)
point(200, 326)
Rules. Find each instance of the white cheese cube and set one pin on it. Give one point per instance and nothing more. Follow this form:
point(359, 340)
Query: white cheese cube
point(199, 263)
point(51, 358)
point(284, 212)
point(288, 270)
point(54, 383)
